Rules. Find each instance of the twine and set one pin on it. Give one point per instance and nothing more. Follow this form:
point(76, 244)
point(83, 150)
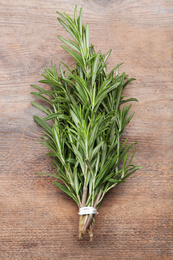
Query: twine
point(87, 211)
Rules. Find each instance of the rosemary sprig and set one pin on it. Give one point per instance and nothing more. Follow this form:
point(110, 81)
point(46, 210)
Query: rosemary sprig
point(87, 121)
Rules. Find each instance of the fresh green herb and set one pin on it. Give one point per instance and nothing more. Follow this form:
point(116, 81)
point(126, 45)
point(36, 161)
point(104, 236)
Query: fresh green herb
point(87, 121)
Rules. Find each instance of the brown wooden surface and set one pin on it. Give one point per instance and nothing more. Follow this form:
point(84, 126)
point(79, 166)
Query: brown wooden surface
point(135, 220)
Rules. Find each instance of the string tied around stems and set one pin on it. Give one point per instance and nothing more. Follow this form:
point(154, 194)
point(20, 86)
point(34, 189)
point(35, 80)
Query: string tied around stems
point(87, 211)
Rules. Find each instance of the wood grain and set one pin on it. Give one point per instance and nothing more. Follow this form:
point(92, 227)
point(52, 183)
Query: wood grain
point(135, 220)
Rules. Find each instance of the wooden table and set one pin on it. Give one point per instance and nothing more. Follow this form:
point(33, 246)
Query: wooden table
point(135, 220)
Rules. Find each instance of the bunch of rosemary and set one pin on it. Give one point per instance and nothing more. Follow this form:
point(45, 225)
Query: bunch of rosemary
point(86, 122)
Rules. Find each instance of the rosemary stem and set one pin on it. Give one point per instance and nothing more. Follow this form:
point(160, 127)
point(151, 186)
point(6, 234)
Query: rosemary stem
point(82, 219)
point(87, 224)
